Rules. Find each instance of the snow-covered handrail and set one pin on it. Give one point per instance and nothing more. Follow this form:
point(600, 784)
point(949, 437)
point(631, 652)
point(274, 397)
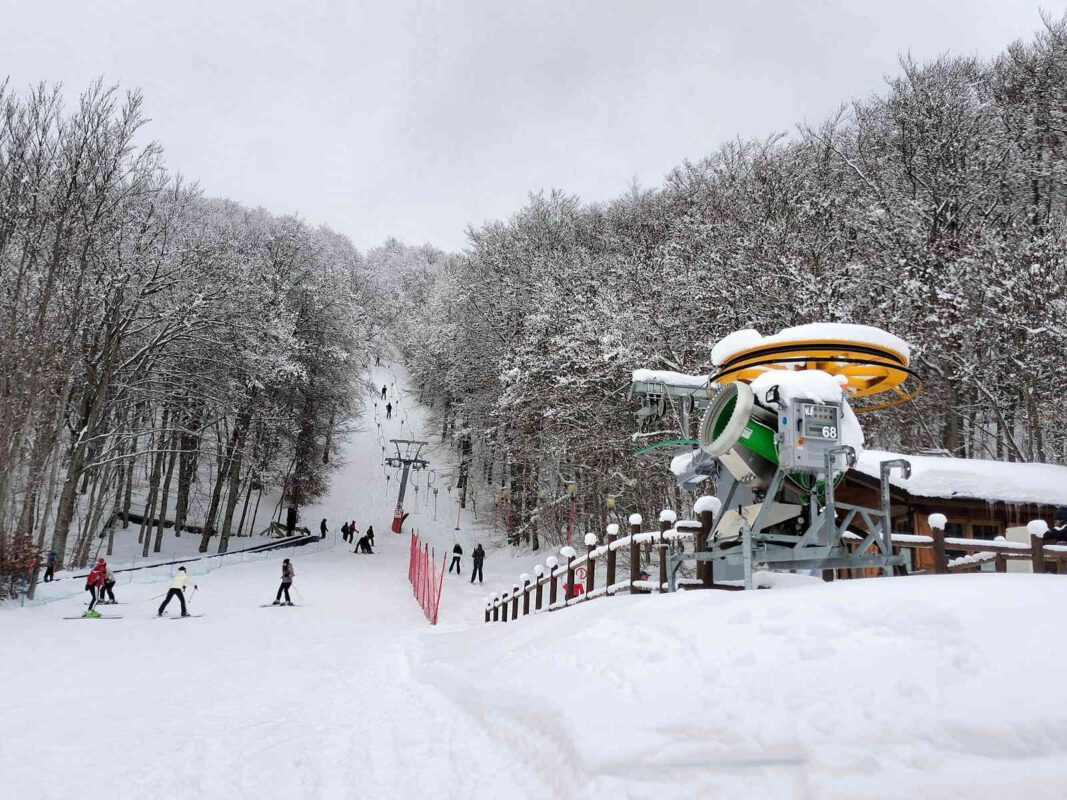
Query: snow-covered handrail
point(578, 571)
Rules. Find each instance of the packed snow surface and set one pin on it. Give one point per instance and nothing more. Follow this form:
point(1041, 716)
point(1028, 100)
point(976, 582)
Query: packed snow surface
point(739, 341)
point(934, 476)
point(882, 688)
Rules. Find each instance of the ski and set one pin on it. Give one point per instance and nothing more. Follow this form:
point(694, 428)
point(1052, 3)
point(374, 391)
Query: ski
point(279, 605)
point(187, 616)
point(102, 616)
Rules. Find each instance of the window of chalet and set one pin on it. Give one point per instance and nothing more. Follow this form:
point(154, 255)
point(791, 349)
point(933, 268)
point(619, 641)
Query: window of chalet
point(974, 529)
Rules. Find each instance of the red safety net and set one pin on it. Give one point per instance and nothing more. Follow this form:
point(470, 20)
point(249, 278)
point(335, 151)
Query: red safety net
point(426, 582)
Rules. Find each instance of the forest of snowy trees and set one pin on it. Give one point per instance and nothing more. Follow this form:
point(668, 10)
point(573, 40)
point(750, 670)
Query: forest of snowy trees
point(165, 357)
point(935, 210)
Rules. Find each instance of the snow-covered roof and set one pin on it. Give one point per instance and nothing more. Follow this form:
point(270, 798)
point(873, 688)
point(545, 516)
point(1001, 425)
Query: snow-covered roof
point(1009, 482)
point(738, 341)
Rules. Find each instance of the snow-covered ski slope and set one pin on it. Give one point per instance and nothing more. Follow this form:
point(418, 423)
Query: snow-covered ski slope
point(942, 687)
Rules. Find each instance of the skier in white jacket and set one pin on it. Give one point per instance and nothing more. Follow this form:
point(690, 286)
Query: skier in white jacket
point(177, 589)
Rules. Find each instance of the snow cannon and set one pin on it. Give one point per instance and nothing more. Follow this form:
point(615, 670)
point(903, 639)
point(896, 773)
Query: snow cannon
point(796, 422)
point(740, 433)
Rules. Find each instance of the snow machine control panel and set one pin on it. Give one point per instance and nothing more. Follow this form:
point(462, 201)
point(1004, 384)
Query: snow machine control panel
point(807, 429)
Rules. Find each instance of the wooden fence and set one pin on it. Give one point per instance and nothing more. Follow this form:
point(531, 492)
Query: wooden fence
point(555, 584)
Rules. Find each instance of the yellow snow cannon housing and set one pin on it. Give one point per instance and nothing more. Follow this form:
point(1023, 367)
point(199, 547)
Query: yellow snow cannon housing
point(870, 370)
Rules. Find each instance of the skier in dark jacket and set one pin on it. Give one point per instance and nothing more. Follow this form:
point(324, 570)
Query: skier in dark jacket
point(50, 566)
point(290, 520)
point(383, 393)
point(388, 410)
point(322, 529)
point(363, 545)
point(478, 556)
point(370, 534)
point(287, 581)
point(457, 552)
point(344, 532)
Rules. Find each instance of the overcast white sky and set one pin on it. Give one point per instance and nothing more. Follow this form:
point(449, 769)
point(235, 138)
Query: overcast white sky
point(416, 119)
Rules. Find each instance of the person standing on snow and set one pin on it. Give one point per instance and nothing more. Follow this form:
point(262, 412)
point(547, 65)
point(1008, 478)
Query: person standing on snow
point(50, 566)
point(109, 585)
point(477, 557)
point(383, 393)
point(322, 528)
point(287, 581)
point(93, 583)
point(344, 532)
point(177, 589)
point(370, 534)
point(388, 410)
point(457, 552)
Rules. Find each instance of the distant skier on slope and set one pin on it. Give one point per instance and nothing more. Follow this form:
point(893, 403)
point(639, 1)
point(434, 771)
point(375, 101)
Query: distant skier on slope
point(457, 553)
point(363, 545)
point(50, 566)
point(477, 557)
point(93, 583)
point(287, 580)
point(383, 392)
point(322, 528)
point(370, 534)
point(344, 532)
point(109, 586)
point(388, 410)
point(177, 589)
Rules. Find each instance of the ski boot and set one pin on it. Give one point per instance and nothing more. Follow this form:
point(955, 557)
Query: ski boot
point(92, 614)
point(288, 602)
point(276, 603)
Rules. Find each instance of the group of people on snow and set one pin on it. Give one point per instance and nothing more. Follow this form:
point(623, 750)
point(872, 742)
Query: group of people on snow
point(349, 532)
point(477, 559)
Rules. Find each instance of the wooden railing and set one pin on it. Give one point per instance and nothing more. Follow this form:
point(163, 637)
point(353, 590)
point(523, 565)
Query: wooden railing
point(554, 585)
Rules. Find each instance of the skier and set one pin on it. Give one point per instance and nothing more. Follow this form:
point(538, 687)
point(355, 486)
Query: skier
point(388, 410)
point(457, 551)
point(1058, 532)
point(50, 566)
point(93, 581)
point(353, 531)
point(370, 534)
point(177, 589)
point(287, 581)
point(109, 585)
point(363, 546)
point(377, 361)
point(478, 556)
point(290, 520)
point(344, 532)
point(322, 528)
point(383, 392)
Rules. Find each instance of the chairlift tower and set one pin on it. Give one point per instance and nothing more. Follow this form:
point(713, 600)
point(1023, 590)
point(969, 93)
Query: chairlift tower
point(408, 457)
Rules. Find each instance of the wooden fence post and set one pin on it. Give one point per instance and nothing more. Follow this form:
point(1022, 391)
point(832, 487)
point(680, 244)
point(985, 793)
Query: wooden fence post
point(503, 606)
point(496, 608)
point(1037, 553)
point(525, 594)
point(635, 553)
point(705, 573)
point(666, 522)
point(940, 556)
point(1001, 562)
point(551, 562)
point(613, 534)
point(569, 554)
point(539, 572)
point(488, 603)
point(515, 602)
point(590, 563)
